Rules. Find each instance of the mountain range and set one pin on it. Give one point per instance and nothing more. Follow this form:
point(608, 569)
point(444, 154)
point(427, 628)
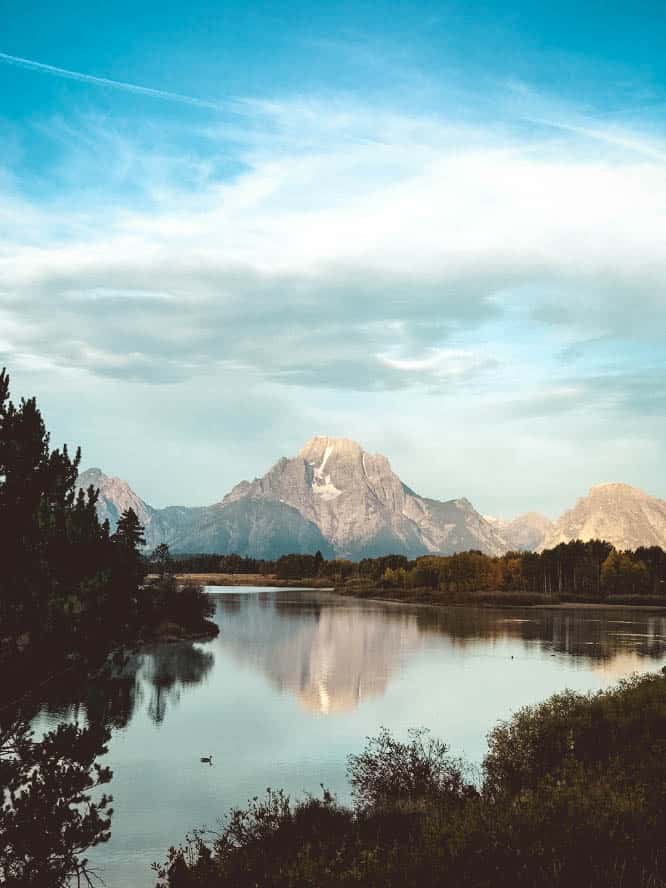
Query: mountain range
point(335, 497)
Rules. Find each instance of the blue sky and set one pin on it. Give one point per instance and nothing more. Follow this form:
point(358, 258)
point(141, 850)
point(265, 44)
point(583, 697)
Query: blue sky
point(433, 227)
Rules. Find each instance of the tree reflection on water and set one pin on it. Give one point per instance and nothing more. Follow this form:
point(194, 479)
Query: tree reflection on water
point(54, 806)
point(153, 674)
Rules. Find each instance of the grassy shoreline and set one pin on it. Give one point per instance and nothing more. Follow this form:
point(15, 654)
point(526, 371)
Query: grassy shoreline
point(425, 597)
point(501, 600)
point(242, 579)
point(561, 605)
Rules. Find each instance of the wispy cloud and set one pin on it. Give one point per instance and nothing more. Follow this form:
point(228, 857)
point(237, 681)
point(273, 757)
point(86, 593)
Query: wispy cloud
point(359, 248)
point(390, 238)
point(357, 262)
point(32, 65)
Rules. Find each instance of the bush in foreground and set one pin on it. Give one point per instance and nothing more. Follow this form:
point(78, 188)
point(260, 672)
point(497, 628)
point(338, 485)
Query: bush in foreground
point(572, 793)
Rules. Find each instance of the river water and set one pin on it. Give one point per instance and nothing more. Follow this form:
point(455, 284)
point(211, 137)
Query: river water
point(297, 679)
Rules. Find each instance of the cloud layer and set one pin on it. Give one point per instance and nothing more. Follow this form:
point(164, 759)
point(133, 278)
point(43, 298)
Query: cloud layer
point(330, 247)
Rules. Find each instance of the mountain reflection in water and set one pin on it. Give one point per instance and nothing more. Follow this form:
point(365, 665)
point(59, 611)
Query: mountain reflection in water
point(331, 658)
point(332, 653)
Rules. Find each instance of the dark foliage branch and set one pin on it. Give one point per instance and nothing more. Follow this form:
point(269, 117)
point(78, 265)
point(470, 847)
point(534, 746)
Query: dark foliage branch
point(52, 809)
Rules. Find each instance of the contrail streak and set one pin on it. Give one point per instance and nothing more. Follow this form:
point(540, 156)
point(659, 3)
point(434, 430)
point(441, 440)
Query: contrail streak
point(610, 137)
point(116, 84)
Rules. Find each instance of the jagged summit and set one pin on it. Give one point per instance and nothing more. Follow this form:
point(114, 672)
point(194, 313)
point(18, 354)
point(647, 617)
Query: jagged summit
point(326, 456)
point(315, 448)
point(92, 473)
point(525, 532)
point(115, 496)
point(362, 507)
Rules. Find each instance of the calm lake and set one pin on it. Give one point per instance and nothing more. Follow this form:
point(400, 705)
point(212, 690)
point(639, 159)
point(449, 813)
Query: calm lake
point(297, 679)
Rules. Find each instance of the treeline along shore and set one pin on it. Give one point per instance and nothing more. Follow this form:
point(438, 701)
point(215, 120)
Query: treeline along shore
point(71, 588)
point(576, 572)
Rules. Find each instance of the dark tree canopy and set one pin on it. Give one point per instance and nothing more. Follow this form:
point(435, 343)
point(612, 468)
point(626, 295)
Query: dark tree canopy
point(62, 576)
point(49, 818)
point(130, 532)
point(589, 570)
point(160, 559)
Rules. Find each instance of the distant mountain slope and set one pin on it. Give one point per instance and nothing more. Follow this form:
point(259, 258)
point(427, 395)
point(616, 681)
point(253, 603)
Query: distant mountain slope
point(623, 515)
point(250, 527)
point(332, 496)
point(115, 496)
point(263, 530)
point(525, 532)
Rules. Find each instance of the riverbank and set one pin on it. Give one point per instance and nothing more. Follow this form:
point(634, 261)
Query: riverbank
point(229, 579)
point(424, 596)
point(430, 598)
point(557, 606)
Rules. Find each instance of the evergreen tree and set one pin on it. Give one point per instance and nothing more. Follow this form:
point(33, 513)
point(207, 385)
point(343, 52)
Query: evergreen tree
point(130, 531)
point(60, 573)
point(48, 818)
point(160, 559)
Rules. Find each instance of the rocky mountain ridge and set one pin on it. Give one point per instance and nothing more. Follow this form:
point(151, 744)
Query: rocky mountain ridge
point(338, 498)
point(625, 516)
point(245, 527)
